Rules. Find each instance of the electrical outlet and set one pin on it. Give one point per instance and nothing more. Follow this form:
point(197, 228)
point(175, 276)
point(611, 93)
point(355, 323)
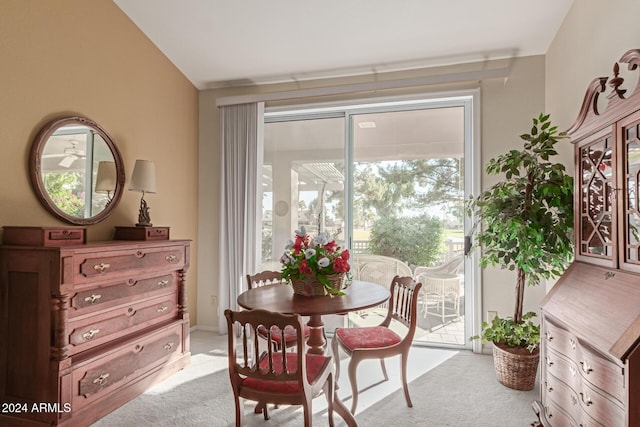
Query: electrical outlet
point(491, 315)
point(213, 301)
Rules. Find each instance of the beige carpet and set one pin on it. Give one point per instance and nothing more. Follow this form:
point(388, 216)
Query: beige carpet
point(448, 388)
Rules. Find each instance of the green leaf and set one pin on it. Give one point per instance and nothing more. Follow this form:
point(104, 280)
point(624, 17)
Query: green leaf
point(524, 222)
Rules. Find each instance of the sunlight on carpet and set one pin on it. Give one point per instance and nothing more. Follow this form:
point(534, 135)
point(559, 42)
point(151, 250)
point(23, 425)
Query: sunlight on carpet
point(202, 364)
point(371, 385)
point(371, 382)
point(201, 393)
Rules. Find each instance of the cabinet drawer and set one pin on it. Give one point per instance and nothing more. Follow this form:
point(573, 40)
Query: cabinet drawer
point(556, 417)
point(89, 331)
point(44, 236)
point(602, 373)
point(560, 340)
point(556, 391)
point(599, 407)
point(119, 292)
point(106, 373)
point(561, 368)
point(112, 264)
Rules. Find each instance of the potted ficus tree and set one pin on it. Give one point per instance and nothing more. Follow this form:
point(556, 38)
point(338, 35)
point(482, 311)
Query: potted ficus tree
point(523, 223)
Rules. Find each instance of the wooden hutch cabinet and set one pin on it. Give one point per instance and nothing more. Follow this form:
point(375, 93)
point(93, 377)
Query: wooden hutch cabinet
point(86, 327)
point(590, 328)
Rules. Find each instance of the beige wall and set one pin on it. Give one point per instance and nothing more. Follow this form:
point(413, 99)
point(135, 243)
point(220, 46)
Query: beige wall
point(507, 108)
point(77, 57)
point(593, 36)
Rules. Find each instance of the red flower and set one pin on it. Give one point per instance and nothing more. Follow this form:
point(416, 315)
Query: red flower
point(304, 267)
point(345, 255)
point(340, 265)
point(331, 246)
point(300, 244)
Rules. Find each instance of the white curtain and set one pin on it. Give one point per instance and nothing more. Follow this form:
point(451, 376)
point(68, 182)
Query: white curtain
point(242, 128)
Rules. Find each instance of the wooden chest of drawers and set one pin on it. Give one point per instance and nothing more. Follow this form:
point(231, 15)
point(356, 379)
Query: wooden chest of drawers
point(85, 328)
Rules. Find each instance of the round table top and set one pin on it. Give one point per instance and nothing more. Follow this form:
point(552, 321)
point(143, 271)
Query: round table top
point(280, 298)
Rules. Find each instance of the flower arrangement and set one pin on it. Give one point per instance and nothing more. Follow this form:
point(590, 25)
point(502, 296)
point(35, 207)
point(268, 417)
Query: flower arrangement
point(319, 258)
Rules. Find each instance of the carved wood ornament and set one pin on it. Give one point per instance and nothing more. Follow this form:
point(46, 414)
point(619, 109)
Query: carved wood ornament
point(618, 104)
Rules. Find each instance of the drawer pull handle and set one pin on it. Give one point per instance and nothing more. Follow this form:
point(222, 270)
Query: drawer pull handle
point(101, 379)
point(585, 367)
point(168, 346)
point(162, 309)
point(609, 275)
point(549, 388)
point(548, 361)
point(548, 411)
point(93, 298)
point(573, 343)
point(170, 258)
point(91, 334)
point(548, 336)
point(586, 399)
point(101, 267)
point(163, 283)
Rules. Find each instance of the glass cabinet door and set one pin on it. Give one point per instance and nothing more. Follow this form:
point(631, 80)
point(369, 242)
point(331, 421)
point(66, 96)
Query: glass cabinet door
point(596, 199)
point(630, 230)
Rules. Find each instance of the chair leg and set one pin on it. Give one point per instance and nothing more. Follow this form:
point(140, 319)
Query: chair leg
point(335, 351)
point(261, 407)
point(384, 369)
point(405, 386)
point(329, 391)
point(353, 366)
point(308, 413)
point(239, 412)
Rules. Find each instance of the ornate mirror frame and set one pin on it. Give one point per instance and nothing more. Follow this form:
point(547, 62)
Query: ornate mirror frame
point(36, 169)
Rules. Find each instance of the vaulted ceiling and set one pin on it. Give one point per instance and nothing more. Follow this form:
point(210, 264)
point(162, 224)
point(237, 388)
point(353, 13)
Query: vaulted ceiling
point(222, 43)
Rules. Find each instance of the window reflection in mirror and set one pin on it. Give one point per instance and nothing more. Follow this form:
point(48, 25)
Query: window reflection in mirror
point(69, 169)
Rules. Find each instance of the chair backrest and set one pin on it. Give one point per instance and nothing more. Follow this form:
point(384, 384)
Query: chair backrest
point(403, 304)
point(247, 352)
point(378, 269)
point(266, 277)
point(453, 266)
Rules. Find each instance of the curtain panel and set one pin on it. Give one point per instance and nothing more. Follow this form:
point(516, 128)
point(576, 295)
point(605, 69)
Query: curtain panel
point(242, 134)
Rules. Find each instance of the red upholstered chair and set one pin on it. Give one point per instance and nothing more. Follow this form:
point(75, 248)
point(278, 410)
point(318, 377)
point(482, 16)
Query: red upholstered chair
point(269, 376)
point(272, 278)
point(379, 342)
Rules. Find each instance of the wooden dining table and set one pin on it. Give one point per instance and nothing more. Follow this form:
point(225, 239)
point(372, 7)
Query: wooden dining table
point(280, 298)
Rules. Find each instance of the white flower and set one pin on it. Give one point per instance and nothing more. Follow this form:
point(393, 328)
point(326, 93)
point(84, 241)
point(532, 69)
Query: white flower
point(301, 231)
point(289, 245)
point(308, 253)
point(323, 262)
point(322, 238)
point(286, 258)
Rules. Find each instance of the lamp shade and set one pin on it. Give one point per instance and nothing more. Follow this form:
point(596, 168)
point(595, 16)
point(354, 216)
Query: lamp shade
point(143, 177)
point(106, 177)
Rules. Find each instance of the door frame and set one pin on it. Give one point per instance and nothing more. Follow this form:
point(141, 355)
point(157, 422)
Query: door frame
point(470, 100)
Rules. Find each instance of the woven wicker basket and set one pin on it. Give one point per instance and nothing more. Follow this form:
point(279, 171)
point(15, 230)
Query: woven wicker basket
point(516, 371)
point(311, 286)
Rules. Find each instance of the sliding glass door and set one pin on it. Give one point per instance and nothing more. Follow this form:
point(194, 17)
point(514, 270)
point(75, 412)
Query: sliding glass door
point(303, 182)
point(386, 180)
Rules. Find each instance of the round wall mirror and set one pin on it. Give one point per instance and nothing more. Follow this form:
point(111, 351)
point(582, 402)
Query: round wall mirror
point(76, 170)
